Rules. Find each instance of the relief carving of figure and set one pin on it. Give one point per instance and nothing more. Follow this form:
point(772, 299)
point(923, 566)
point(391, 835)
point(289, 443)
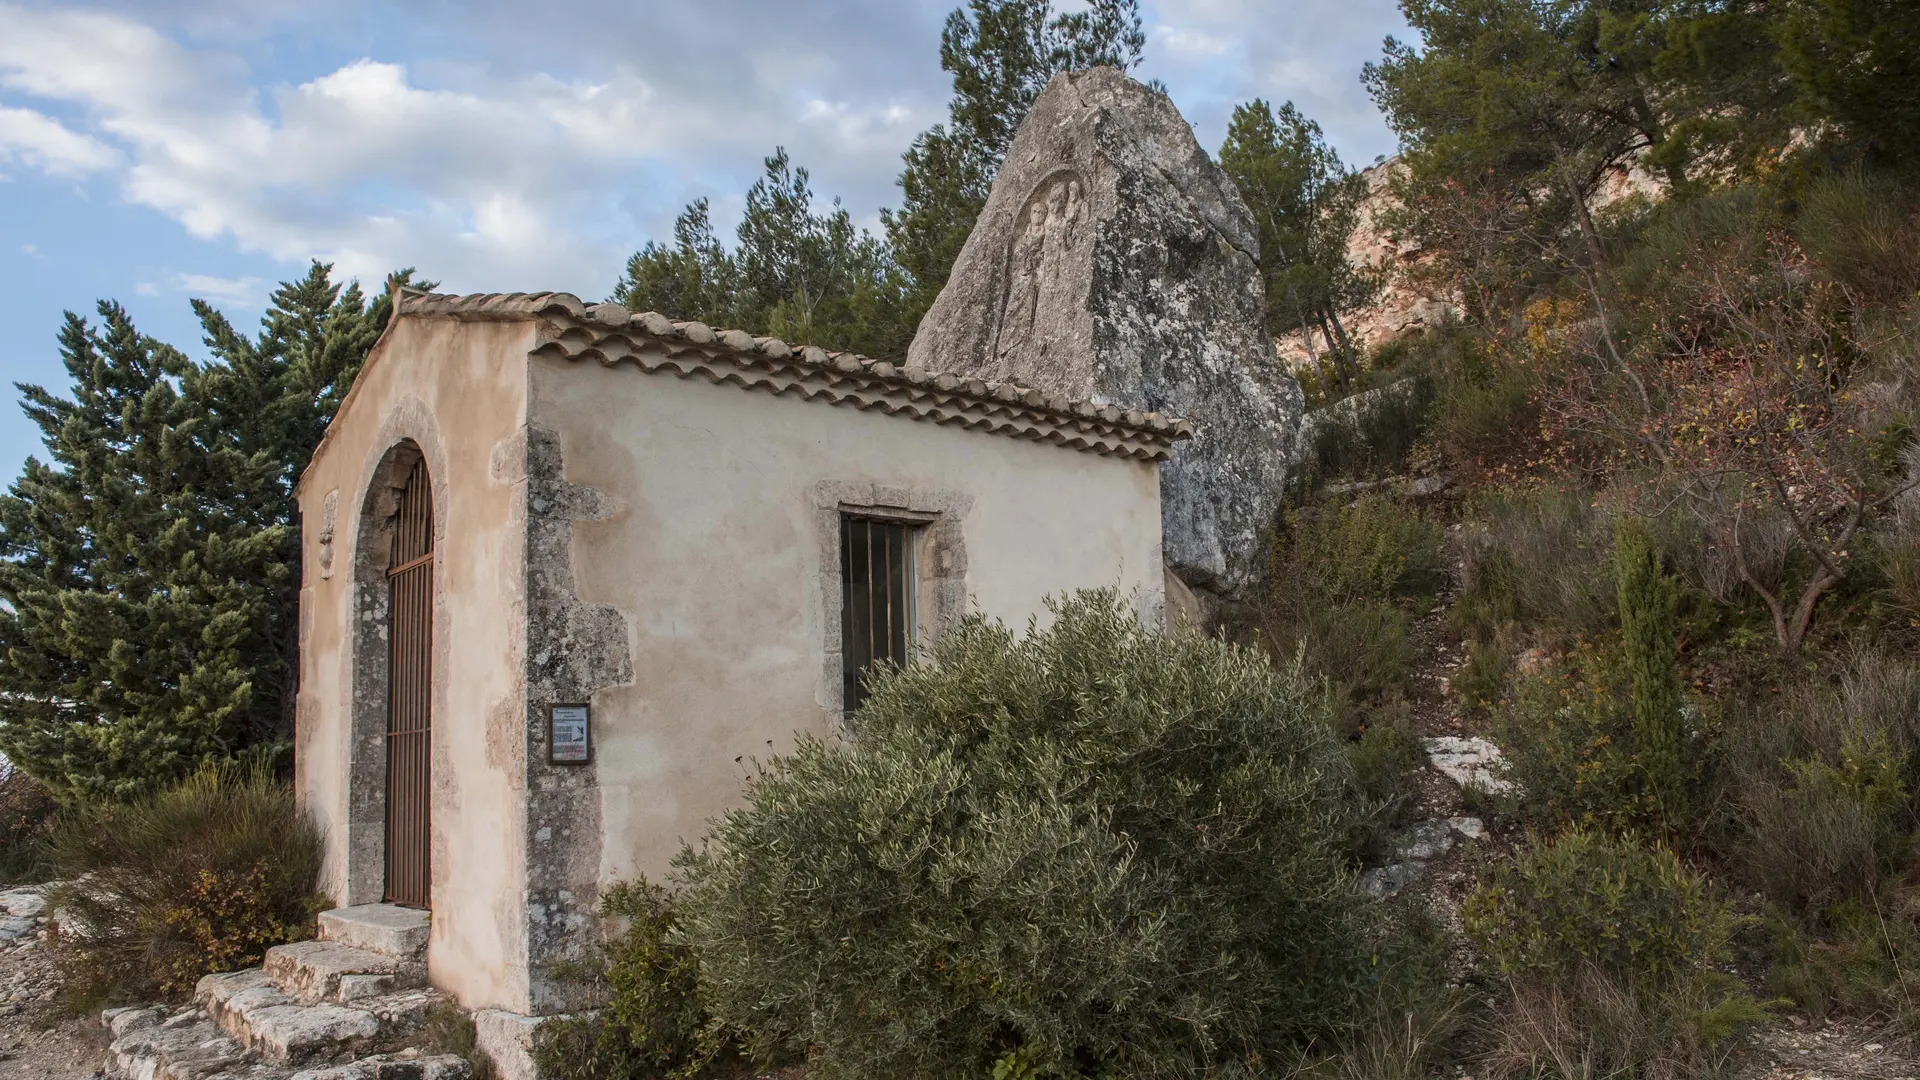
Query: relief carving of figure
point(1038, 272)
point(329, 509)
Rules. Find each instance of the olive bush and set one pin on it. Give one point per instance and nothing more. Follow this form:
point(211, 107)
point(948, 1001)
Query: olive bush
point(1090, 850)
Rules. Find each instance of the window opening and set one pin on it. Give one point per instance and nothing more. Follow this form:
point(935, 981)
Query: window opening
point(877, 600)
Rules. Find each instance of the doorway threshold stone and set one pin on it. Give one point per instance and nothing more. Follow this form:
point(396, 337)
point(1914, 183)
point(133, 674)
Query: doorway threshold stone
point(388, 929)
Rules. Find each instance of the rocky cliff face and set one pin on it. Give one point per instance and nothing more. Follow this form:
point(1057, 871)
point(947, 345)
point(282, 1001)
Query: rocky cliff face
point(1115, 262)
point(1403, 305)
point(1400, 307)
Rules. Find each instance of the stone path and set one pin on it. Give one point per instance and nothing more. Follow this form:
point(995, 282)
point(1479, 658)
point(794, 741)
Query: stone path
point(38, 1042)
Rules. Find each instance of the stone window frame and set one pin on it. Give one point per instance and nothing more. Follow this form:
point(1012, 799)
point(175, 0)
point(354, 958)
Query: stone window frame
point(939, 559)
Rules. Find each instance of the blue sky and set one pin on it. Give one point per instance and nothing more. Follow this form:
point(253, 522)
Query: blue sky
point(158, 150)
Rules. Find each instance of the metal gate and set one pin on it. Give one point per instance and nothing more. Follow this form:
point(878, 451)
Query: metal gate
point(410, 692)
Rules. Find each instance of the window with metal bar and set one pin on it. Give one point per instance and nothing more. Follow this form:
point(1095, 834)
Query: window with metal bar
point(877, 601)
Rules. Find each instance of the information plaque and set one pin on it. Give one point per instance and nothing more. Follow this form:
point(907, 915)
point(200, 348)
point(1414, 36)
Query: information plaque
point(569, 735)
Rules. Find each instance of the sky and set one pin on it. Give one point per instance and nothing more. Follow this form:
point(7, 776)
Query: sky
point(153, 151)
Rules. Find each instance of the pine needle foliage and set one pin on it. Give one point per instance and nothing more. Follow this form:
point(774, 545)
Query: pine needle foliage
point(1088, 850)
point(148, 582)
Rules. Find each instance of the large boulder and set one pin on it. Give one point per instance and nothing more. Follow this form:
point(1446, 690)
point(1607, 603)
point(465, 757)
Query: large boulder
point(1116, 262)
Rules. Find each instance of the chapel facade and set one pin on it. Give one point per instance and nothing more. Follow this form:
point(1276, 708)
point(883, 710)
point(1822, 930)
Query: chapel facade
point(568, 571)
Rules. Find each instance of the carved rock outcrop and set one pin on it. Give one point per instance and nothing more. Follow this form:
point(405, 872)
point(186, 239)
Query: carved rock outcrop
point(1115, 262)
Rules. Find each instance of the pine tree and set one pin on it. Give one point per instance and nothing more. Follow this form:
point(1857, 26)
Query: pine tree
point(694, 278)
point(1651, 636)
point(1305, 203)
point(1856, 64)
point(149, 568)
point(1001, 54)
point(1525, 104)
point(809, 277)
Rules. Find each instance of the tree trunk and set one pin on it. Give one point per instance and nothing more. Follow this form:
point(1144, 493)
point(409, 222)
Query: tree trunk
point(1346, 342)
point(1339, 355)
point(1596, 253)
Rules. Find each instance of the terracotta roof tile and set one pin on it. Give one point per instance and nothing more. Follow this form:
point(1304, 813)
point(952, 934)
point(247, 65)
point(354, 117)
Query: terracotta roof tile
point(611, 334)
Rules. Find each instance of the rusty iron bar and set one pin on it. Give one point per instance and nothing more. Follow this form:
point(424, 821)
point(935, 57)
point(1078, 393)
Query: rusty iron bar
point(876, 602)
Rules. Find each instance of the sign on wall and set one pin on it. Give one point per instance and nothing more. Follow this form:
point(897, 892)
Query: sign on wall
point(569, 735)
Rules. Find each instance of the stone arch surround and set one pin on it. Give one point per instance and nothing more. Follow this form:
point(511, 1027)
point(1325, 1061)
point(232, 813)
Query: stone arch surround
point(408, 433)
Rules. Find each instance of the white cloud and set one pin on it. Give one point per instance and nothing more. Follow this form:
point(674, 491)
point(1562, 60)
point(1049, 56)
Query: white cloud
point(41, 142)
point(508, 182)
point(1214, 54)
point(892, 123)
point(1190, 44)
point(248, 291)
point(492, 158)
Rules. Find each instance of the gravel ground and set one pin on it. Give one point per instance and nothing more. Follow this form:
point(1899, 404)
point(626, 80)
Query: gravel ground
point(37, 1040)
point(1801, 1050)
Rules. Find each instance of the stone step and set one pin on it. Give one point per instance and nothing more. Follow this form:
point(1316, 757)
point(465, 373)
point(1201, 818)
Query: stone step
point(400, 1066)
point(317, 971)
point(285, 1030)
point(159, 1044)
point(388, 929)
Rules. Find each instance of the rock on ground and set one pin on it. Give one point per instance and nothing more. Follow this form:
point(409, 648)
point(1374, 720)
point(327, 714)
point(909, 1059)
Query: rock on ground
point(1469, 762)
point(1116, 262)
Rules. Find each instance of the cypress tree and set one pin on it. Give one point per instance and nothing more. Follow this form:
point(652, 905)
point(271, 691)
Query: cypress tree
point(1650, 632)
point(148, 568)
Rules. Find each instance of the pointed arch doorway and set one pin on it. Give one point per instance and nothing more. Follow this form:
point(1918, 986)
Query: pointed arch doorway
point(410, 694)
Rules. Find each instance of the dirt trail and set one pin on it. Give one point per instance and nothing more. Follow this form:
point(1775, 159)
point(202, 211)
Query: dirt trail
point(37, 1041)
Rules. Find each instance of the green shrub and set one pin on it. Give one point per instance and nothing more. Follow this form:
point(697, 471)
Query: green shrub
point(1831, 830)
point(1862, 231)
point(1374, 548)
point(448, 1029)
point(1632, 910)
point(1568, 738)
point(1650, 635)
point(1866, 964)
point(200, 877)
point(1610, 949)
point(1541, 558)
point(26, 816)
point(1388, 758)
point(1404, 1027)
point(642, 1015)
point(1094, 849)
point(1819, 783)
point(1481, 417)
point(1481, 682)
point(1337, 583)
point(1600, 1026)
point(1896, 562)
point(1363, 649)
